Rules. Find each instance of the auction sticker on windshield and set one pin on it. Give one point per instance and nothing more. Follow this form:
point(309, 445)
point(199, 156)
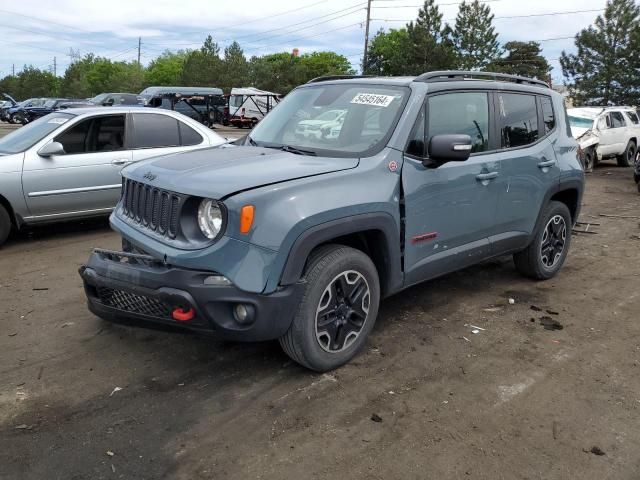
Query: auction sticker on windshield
point(373, 99)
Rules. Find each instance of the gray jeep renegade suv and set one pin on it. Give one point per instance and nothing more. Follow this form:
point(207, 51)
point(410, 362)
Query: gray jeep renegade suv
point(297, 236)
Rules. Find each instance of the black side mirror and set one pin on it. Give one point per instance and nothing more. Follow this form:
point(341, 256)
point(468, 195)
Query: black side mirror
point(449, 148)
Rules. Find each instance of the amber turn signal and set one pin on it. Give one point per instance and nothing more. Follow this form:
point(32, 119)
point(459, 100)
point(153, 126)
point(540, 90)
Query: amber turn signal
point(246, 218)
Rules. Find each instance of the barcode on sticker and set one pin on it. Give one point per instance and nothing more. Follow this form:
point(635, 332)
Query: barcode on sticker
point(373, 99)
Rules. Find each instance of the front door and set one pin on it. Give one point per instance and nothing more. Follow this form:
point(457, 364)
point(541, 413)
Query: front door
point(450, 210)
point(86, 178)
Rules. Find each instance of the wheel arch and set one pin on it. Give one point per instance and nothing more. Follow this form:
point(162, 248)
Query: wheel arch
point(12, 215)
point(375, 234)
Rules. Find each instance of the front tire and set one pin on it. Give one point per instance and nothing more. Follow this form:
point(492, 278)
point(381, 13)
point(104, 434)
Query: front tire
point(546, 254)
point(338, 309)
point(5, 225)
point(628, 158)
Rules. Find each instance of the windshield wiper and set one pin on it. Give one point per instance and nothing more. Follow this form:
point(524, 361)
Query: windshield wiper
point(297, 151)
point(251, 141)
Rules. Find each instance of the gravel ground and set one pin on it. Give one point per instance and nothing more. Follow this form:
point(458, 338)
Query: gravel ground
point(549, 387)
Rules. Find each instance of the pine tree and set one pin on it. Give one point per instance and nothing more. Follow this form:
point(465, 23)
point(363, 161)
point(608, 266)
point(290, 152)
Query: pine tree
point(605, 70)
point(235, 72)
point(429, 45)
point(474, 37)
point(524, 59)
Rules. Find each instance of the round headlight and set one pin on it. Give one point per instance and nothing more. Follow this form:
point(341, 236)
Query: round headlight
point(209, 218)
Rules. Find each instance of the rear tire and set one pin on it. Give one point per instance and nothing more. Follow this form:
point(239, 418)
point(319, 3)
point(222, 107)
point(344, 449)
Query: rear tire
point(5, 225)
point(627, 159)
point(546, 254)
point(589, 160)
point(337, 311)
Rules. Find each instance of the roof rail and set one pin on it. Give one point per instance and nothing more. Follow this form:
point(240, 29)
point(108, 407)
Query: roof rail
point(449, 75)
point(337, 77)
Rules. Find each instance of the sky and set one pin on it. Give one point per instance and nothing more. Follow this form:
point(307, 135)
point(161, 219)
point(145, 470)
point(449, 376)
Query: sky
point(33, 32)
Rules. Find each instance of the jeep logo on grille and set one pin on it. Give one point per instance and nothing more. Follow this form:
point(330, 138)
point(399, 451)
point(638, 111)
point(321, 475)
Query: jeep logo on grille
point(150, 176)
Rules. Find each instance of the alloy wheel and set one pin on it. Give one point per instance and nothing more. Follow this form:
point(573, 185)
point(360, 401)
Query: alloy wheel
point(554, 239)
point(342, 311)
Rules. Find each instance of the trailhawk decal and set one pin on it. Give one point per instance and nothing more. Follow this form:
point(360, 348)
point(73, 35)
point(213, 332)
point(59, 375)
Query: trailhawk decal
point(373, 99)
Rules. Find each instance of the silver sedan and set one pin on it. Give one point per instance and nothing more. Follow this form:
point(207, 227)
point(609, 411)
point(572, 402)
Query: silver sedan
point(67, 164)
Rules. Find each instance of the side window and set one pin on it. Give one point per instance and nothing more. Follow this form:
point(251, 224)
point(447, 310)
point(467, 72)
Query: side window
point(461, 113)
point(98, 134)
point(547, 114)
point(188, 135)
point(617, 120)
point(154, 131)
point(74, 139)
point(109, 133)
point(633, 117)
point(518, 119)
point(416, 145)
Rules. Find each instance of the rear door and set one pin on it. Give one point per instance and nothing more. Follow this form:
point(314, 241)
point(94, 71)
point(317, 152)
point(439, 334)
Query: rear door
point(450, 209)
point(86, 178)
point(527, 126)
point(155, 134)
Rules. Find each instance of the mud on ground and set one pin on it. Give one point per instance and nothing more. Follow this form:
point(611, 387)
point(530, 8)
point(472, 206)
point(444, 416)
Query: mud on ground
point(514, 401)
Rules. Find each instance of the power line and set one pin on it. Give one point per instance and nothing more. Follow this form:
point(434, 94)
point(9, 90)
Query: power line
point(356, 8)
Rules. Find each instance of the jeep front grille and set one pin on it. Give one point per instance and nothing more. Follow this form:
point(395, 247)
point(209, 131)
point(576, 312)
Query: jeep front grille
point(130, 302)
point(153, 208)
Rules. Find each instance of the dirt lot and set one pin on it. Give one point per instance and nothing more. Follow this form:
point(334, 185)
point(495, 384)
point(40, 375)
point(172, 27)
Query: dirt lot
point(83, 399)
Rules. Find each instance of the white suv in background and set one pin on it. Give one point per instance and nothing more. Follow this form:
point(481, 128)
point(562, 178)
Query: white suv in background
point(606, 132)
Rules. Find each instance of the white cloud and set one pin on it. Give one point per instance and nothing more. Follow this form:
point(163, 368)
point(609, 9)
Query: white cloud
point(113, 28)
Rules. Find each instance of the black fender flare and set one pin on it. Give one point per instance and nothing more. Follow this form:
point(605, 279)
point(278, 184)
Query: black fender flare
point(324, 232)
point(563, 185)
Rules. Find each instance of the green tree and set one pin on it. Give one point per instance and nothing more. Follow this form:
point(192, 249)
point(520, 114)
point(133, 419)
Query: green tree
point(166, 69)
point(203, 67)
point(30, 82)
point(235, 68)
point(429, 45)
point(388, 53)
point(92, 75)
point(605, 69)
point(277, 72)
point(318, 64)
point(523, 58)
point(474, 37)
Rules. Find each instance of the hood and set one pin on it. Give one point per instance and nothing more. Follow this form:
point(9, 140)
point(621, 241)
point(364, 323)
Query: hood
point(219, 172)
point(577, 132)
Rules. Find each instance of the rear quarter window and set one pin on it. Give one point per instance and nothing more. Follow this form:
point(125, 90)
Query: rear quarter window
point(548, 117)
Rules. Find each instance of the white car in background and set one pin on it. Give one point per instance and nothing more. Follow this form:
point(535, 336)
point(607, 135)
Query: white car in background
point(606, 132)
point(67, 164)
point(325, 125)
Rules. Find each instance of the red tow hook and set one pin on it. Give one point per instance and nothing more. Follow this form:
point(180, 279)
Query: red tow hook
point(183, 315)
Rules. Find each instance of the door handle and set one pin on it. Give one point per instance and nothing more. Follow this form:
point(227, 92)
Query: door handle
point(546, 163)
point(120, 161)
point(486, 176)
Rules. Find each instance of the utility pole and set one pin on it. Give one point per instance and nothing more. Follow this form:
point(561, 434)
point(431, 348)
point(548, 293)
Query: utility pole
point(139, 45)
point(55, 67)
point(366, 36)
point(13, 70)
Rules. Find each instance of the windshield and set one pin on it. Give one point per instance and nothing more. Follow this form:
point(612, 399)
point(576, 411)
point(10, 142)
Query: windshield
point(348, 119)
point(580, 122)
point(27, 136)
point(49, 103)
point(98, 99)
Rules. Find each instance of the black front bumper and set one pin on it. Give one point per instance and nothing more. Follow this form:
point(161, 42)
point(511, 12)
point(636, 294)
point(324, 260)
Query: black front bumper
point(138, 290)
